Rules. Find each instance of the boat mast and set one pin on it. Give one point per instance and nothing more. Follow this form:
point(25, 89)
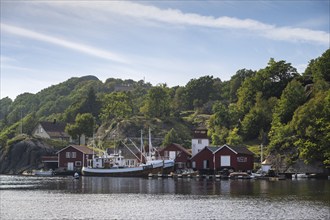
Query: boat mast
point(150, 144)
point(261, 153)
point(141, 146)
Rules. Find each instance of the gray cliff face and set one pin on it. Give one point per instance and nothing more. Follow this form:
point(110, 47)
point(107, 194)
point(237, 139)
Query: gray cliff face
point(23, 155)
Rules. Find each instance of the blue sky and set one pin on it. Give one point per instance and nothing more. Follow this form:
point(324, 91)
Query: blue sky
point(47, 42)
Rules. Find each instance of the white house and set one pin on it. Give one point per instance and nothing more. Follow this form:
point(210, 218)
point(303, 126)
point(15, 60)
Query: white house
point(52, 130)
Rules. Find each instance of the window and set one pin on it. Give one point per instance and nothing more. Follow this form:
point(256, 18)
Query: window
point(74, 154)
point(199, 141)
point(78, 163)
point(166, 154)
point(242, 159)
point(193, 164)
point(225, 161)
point(68, 154)
point(172, 155)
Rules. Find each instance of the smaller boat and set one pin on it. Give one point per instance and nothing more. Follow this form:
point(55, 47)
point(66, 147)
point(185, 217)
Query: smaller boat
point(300, 176)
point(42, 172)
point(76, 175)
point(239, 175)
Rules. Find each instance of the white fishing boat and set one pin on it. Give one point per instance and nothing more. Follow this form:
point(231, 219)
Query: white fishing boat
point(115, 165)
point(143, 170)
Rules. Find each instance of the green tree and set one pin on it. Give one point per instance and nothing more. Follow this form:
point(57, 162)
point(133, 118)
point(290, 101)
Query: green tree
point(116, 105)
point(198, 91)
point(319, 69)
point(157, 103)
point(258, 118)
point(236, 82)
point(311, 123)
point(246, 95)
point(234, 138)
point(178, 103)
point(221, 114)
point(275, 77)
point(270, 81)
point(292, 97)
point(171, 137)
point(90, 104)
point(84, 124)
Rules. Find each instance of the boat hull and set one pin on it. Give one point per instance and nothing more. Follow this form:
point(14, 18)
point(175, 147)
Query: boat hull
point(142, 171)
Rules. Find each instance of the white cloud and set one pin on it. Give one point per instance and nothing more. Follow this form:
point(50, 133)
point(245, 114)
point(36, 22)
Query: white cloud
point(61, 42)
point(177, 17)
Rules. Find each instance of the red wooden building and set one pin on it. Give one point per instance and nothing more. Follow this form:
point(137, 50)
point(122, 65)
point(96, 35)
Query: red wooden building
point(203, 160)
point(212, 159)
point(178, 153)
point(74, 157)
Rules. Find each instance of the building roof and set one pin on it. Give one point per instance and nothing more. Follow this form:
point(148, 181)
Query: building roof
point(54, 129)
point(213, 148)
point(241, 149)
point(180, 147)
point(236, 149)
point(80, 148)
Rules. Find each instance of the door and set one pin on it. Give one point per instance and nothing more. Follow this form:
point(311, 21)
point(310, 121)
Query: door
point(205, 164)
point(70, 166)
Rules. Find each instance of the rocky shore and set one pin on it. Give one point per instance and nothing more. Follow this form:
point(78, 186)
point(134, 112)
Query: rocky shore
point(23, 155)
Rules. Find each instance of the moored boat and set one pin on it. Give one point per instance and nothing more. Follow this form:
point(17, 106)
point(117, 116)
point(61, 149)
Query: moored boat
point(143, 170)
point(43, 172)
point(115, 165)
point(239, 175)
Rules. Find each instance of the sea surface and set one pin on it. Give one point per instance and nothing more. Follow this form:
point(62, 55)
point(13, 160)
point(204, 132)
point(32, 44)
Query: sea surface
point(29, 197)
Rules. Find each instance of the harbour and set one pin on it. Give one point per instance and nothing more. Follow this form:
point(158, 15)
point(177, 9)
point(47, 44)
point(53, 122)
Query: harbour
point(161, 198)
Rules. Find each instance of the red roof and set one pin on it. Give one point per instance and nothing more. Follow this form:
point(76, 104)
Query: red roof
point(80, 148)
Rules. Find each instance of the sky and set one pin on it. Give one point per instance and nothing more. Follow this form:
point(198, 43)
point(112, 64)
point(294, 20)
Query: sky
point(44, 43)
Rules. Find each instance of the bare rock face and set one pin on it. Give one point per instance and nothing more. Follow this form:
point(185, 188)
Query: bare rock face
point(280, 164)
point(23, 155)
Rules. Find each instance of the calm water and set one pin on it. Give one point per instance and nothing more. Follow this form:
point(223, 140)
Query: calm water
point(138, 198)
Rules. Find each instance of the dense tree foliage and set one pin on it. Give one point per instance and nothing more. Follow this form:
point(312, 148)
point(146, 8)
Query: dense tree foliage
point(116, 105)
point(84, 124)
point(287, 112)
point(171, 137)
point(199, 91)
point(157, 102)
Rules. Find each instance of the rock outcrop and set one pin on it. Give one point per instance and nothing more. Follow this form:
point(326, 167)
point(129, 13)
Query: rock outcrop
point(23, 155)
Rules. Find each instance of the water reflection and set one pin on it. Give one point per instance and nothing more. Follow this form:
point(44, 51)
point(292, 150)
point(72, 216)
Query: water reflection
point(139, 198)
point(306, 189)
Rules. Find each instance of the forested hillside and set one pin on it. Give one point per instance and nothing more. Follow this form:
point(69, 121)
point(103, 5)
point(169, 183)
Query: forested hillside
point(286, 111)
